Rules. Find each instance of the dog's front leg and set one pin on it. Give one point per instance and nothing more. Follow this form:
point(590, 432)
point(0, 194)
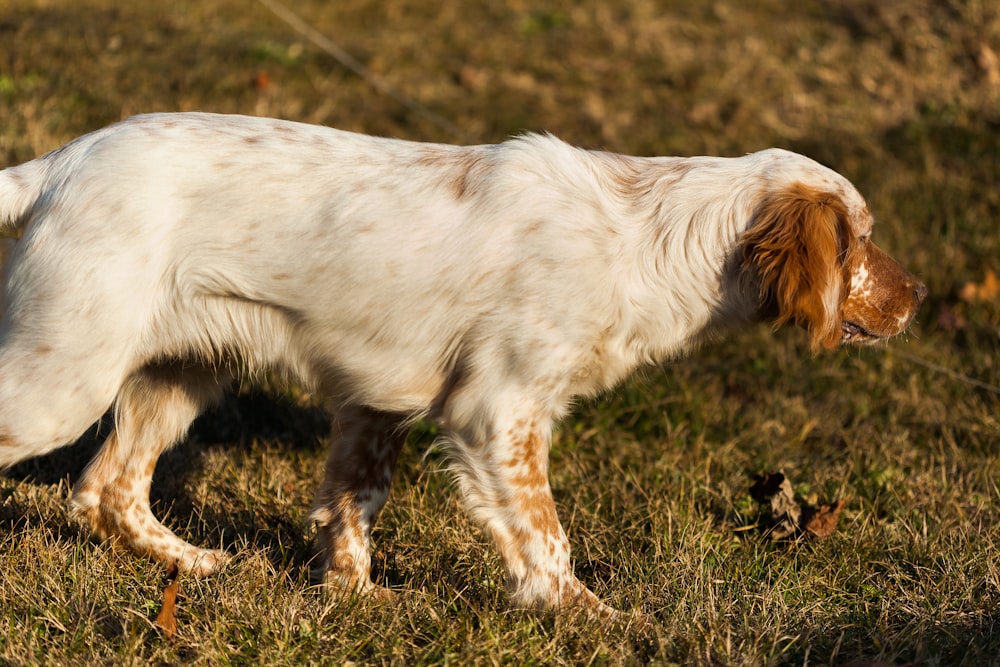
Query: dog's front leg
point(504, 480)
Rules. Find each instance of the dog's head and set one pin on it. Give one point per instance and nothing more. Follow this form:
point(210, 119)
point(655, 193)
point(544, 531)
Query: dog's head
point(809, 251)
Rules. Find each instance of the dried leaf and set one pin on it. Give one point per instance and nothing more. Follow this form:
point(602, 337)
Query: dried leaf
point(822, 522)
point(166, 620)
point(790, 517)
point(775, 490)
point(261, 81)
point(988, 290)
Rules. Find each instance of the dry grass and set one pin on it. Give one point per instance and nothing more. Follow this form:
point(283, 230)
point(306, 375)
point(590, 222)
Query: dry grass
point(904, 98)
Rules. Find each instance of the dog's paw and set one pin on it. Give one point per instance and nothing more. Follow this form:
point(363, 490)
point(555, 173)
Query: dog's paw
point(202, 562)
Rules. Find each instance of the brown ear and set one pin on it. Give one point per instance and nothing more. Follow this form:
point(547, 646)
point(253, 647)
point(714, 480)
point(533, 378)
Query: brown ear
point(796, 246)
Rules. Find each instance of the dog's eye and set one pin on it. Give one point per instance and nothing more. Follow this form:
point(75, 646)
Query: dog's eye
point(864, 238)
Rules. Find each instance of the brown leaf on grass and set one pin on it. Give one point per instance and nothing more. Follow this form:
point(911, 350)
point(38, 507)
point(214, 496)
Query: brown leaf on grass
point(261, 81)
point(166, 620)
point(822, 521)
point(775, 490)
point(988, 290)
point(790, 517)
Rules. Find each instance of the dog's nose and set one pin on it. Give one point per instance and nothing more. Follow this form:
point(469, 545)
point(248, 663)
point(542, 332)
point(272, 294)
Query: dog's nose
point(920, 293)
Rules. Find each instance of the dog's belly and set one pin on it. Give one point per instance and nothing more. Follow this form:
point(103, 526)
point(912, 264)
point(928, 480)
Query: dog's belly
point(344, 355)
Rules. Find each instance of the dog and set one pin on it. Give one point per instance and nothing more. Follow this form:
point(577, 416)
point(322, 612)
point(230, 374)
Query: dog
point(482, 287)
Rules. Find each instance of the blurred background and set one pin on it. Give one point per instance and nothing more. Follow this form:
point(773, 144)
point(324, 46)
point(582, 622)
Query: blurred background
point(901, 97)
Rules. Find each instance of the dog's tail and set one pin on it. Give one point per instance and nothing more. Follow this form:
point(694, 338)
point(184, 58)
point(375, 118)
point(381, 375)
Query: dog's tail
point(20, 188)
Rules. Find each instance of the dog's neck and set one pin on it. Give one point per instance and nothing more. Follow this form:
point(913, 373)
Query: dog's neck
point(686, 279)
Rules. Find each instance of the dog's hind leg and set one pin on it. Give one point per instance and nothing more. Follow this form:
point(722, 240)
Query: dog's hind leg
point(152, 412)
point(51, 392)
point(363, 452)
point(71, 328)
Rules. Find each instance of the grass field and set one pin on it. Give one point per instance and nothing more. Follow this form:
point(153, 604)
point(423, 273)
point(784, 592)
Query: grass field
point(652, 480)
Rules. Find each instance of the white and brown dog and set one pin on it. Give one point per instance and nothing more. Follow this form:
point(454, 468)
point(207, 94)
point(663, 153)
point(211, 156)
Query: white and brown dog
point(482, 287)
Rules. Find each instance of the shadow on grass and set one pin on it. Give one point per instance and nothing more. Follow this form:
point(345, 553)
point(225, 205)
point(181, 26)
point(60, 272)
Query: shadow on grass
point(962, 641)
point(238, 421)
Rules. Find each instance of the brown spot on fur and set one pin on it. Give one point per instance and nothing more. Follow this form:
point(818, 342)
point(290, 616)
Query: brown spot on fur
point(539, 509)
point(530, 455)
point(634, 179)
point(464, 169)
point(471, 175)
point(18, 178)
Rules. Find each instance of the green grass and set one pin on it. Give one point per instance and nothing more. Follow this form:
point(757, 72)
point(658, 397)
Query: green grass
point(651, 480)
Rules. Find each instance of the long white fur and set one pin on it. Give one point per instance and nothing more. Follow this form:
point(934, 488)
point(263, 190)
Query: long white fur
point(480, 285)
point(389, 275)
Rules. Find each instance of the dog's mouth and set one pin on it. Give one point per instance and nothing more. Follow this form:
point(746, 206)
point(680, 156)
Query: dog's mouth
point(855, 333)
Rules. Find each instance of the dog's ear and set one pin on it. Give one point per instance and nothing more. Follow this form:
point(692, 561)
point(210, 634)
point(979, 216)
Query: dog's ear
point(796, 247)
